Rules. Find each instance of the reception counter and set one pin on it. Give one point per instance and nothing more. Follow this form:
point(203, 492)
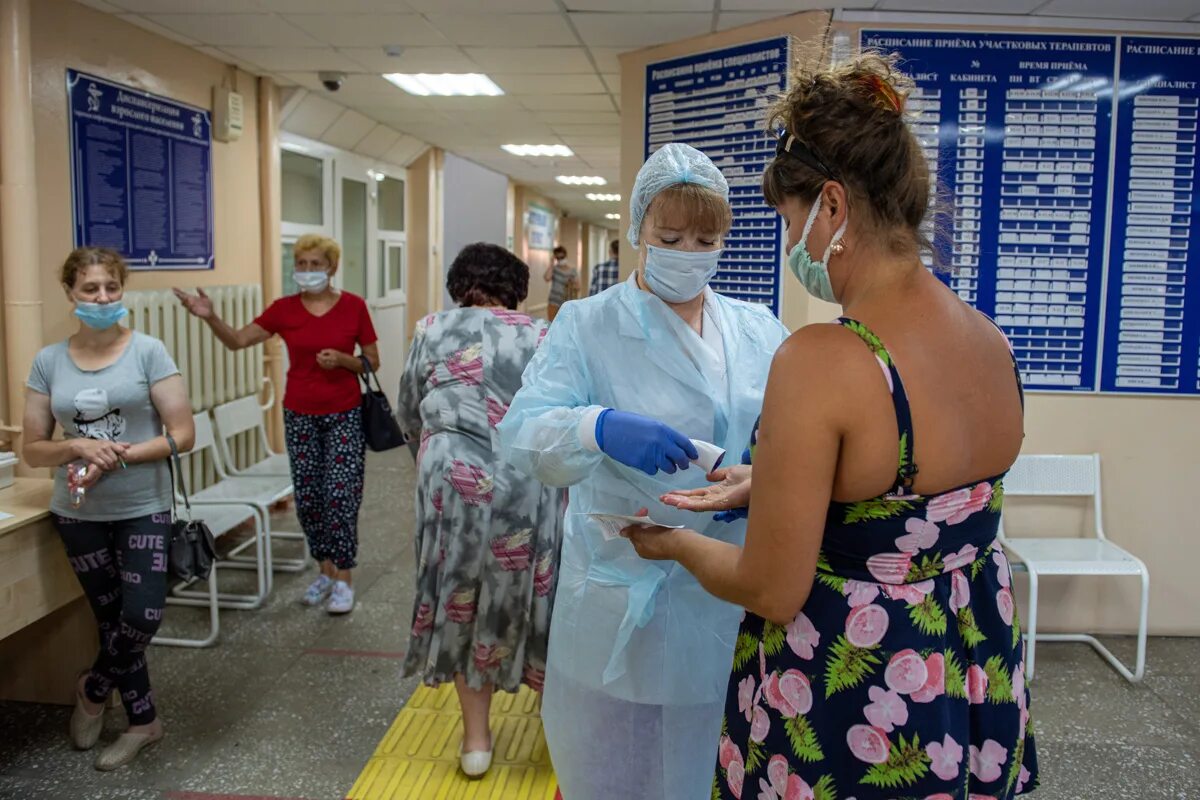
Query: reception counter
point(47, 631)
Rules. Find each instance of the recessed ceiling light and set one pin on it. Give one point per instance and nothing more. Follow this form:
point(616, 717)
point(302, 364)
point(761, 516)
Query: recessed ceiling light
point(604, 198)
point(612, 216)
point(445, 85)
point(534, 150)
point(581, 180)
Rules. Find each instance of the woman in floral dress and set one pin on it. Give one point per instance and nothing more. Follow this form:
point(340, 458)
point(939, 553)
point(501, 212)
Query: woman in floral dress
point(487, 538)
point(880, 656)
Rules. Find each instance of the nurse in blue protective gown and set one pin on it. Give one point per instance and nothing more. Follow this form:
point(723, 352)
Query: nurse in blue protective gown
point(639, 653)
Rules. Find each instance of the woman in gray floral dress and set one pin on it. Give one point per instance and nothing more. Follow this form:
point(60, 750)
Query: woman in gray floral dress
point(487, 537)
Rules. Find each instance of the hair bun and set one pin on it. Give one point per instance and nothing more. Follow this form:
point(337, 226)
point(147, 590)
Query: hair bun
point(882, 93)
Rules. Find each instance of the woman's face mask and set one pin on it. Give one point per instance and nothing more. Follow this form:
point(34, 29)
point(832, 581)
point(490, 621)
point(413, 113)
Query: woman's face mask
point(678, 276)
point(101, 316)
point(813, 274)
point(311, 281)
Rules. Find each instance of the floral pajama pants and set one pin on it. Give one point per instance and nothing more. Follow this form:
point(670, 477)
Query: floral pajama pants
point(328, 454)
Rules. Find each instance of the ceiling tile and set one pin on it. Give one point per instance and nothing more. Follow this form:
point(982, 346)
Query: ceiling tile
point(245, 30)
point(185, 6)
point(555, 118)
point(100, 5)
point(323, 6)
point(348, 130)
point(312, 116)
point(405, 150)
point(475, 106)
point(566, 130)
point(580, 140)
point(638, 30)
point(792, 6)
point(606, 58)
point(294, 59)
point(726, 20)
point(566, 102)
point(956, 6)
point(154, 27)
point(485, 30)
point(639, 5)
point(1121, 9)
point(411, 59)
point(549, 84)
point(367, 30)
point(549, 60)
point(612, 82)
point(378, 141)
point(479, 6)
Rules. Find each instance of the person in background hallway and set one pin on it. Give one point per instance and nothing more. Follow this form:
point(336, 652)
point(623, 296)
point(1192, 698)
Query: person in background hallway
point(560, 275)
point(487, 537)
point(322, 327)
point(605, 273)
point(112, 391)
point(639, 653)
point(880, 655)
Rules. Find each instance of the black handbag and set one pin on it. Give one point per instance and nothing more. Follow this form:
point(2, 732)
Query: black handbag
point(379, 424)
point(193, 547)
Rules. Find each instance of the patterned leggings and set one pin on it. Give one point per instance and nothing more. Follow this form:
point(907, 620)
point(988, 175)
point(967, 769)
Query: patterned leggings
point(122, 567)
point(328, 454)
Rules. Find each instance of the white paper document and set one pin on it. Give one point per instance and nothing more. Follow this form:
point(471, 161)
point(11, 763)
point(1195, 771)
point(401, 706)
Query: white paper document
point(613, 524)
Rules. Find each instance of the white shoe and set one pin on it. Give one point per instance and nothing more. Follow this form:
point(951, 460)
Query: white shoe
point(476, 763)
point(317, 591)
point(341, 599)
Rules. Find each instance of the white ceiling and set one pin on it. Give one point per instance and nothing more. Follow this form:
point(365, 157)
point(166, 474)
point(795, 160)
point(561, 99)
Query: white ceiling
point(555, 59)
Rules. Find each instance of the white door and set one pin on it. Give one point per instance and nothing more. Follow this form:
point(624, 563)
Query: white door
point(390, 313)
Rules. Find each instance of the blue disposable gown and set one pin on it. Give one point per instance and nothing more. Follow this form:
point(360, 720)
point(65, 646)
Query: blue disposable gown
point(640, 653)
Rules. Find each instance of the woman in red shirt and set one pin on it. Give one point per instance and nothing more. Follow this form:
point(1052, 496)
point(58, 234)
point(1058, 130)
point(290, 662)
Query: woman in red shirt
point(321, 327)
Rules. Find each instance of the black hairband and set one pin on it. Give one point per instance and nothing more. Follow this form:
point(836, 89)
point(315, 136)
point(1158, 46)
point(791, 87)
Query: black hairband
point(796, 148)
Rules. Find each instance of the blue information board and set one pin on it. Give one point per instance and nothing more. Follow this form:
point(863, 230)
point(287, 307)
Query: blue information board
point(1152, 324)
point(141, 174)
point(1018, 129)
point(716, 102)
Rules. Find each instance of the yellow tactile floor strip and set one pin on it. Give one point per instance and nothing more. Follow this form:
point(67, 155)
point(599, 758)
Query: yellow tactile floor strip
point(418, 758)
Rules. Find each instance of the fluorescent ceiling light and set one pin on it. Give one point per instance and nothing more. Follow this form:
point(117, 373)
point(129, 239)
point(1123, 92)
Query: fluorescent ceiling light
point(445, 85)
point(612, 216)
point(604, 198)
point(560, 150)
point(581, 180)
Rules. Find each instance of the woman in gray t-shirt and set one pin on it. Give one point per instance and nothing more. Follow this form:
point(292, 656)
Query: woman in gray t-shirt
point(111, 391)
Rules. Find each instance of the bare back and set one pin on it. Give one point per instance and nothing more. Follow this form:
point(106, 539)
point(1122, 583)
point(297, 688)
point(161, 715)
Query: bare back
point(958, 374)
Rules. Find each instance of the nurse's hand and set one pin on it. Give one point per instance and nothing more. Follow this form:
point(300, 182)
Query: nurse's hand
point(730, 490)
point(643, 443)
point(654, 543)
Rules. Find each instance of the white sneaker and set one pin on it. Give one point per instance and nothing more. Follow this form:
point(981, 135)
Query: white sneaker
point(317, 591)
point(341, 599)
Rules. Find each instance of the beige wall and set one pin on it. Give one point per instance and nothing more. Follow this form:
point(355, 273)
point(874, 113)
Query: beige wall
point(1148, 446)
point(65, 34)
point(421, 200)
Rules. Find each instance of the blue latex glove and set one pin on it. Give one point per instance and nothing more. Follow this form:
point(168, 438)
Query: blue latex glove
point(643, 443)
point(732, 515)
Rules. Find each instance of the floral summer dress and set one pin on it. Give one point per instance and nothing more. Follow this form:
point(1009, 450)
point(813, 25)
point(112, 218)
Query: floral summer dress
point(902, 677)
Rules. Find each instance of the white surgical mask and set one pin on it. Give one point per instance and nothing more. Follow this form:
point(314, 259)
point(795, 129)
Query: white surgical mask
point(311, 281)
point(678, 276)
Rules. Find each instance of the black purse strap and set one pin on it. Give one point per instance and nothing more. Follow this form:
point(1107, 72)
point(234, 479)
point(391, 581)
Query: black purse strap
point(175, 468)
point(368, 374)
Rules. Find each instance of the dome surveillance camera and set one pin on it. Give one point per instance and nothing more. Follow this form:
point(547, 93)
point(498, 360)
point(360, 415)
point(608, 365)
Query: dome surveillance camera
point(332, 80)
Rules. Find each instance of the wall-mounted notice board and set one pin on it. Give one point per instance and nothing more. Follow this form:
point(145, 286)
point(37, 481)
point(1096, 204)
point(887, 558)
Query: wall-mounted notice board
point(716, 101)
point(141, 174)
point(1071, 161)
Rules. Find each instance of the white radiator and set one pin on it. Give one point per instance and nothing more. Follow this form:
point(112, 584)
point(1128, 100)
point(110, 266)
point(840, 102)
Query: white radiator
point(213, 373)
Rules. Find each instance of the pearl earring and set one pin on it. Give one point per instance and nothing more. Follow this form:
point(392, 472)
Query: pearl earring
point(838, 247)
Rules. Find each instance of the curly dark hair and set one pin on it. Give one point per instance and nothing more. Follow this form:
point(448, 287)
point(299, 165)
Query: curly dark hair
point(486, 274)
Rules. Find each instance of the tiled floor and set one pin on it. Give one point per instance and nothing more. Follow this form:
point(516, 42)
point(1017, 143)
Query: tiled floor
point(291, 703)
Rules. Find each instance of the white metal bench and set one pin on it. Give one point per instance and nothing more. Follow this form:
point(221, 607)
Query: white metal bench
point(221, 518)
point(260, 491)
point(1070, 476)
point(242, 416)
